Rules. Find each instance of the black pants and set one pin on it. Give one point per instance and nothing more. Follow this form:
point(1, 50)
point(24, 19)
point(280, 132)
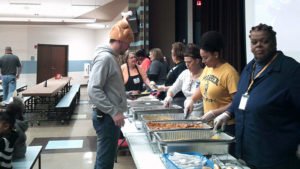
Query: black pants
point(230, 129)
point(290, 163)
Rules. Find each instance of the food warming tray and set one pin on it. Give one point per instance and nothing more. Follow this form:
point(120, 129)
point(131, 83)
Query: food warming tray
point(159, 109)
point(144, 103)
point(149, 131)
point(193, 141)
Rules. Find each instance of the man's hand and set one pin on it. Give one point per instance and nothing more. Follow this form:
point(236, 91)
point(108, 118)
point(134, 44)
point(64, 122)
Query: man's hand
point(119, 119)
point(209, 116)
point(221, 121)
point(17, 77)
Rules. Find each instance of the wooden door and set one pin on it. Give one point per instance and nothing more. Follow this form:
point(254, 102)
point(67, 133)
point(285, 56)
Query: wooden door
point(51, 60)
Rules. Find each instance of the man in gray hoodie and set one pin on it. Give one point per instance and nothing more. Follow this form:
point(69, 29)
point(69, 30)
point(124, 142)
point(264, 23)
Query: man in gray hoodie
point(107, 94)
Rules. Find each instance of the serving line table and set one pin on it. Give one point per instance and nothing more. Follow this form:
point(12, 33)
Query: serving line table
point(141, 150)
point(144, 153)
point(44, 99)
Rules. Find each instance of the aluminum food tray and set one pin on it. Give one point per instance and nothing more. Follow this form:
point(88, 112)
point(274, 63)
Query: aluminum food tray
point(150, 132)
point(192, 141)
point(144, 103)
point(138, 111)
point(174, 116)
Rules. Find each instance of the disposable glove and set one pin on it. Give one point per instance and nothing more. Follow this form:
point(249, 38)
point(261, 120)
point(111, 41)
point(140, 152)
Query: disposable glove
point(209, 116)
point(189, 107)
point(167, 101)
point(221, 121)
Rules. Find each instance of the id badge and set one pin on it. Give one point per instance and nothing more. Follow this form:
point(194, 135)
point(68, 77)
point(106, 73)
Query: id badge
point(243, 102)
point(136, 80)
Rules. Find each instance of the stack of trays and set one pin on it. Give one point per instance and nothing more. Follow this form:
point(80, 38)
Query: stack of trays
point(172, 125)
point(158, 109)
point(193, 141)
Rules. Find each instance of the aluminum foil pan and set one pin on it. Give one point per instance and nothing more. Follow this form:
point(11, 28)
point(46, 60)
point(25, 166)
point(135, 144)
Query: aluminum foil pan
point(192, 136)
point(165, 116)
point(144, 103)
point(192, 141)
point(160, 109)
point(150, 132)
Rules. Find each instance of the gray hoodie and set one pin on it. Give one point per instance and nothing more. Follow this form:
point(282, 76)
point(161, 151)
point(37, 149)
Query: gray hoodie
point(106, 87)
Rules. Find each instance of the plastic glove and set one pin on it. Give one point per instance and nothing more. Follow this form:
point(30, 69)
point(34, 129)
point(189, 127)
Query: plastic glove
point(189, 107)
point(167, 101)
point(161, 88)
point(221, 120)
point(209, 116)
point(153, 85)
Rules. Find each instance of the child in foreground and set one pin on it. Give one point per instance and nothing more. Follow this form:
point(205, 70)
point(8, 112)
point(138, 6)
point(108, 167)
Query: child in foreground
point(8, 135)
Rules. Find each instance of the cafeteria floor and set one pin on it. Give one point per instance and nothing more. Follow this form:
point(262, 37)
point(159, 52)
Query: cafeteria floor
point(73, 145)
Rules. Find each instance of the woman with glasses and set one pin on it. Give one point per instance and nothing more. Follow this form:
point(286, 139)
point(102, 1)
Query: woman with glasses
point(134, 76)
point(218, 81)
point(178, 58)
point(188, 80)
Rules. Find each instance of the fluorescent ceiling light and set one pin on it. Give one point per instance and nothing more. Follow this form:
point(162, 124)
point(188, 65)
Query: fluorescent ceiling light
point(85, 5)
point(97, 26)
point(10, 19)
point(23, 3)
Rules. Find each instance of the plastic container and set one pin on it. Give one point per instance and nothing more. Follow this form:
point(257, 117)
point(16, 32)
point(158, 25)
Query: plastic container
point(171, 165)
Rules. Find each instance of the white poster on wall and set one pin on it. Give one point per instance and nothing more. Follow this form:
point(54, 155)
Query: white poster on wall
point(283, 16)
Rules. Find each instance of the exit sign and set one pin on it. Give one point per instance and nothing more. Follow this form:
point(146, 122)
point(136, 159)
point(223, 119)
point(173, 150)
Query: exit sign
point(198, 3)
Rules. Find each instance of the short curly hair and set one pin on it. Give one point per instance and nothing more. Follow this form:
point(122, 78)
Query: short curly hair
point(211, 41)
point(266, 28)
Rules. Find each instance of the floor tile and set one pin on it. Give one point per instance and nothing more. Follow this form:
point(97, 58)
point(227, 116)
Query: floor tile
point(64, 144)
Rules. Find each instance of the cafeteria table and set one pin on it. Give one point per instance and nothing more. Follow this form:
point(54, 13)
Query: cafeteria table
point(44, 98)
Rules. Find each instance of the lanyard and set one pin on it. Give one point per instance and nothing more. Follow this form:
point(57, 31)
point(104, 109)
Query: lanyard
point(260, 72)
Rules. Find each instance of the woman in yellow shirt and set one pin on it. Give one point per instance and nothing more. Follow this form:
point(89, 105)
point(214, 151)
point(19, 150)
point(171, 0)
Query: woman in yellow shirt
point(218, 81)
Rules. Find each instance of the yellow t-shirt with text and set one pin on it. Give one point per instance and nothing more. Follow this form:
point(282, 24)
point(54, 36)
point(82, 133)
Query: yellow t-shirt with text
point(216, 85)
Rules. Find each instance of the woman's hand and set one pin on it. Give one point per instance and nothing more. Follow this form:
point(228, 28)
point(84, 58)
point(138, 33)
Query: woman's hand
point(189, 107)
point(167, 101)
point(221, 121)
point(209, 116)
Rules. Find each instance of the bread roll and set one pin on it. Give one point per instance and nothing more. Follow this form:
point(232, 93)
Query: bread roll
point(206, 168)
point(216, 166)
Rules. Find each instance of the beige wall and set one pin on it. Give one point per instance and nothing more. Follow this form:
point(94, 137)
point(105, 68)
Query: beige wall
point(22, 39)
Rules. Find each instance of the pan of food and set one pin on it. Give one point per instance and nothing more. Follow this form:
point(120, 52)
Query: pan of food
point(158, 109)
point(164, 126)
point(201, 141)
point(144, 103)
point(165, 116)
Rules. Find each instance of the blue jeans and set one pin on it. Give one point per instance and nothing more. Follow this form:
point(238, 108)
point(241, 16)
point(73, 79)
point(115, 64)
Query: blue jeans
point(9, 86)
point(107, 141)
